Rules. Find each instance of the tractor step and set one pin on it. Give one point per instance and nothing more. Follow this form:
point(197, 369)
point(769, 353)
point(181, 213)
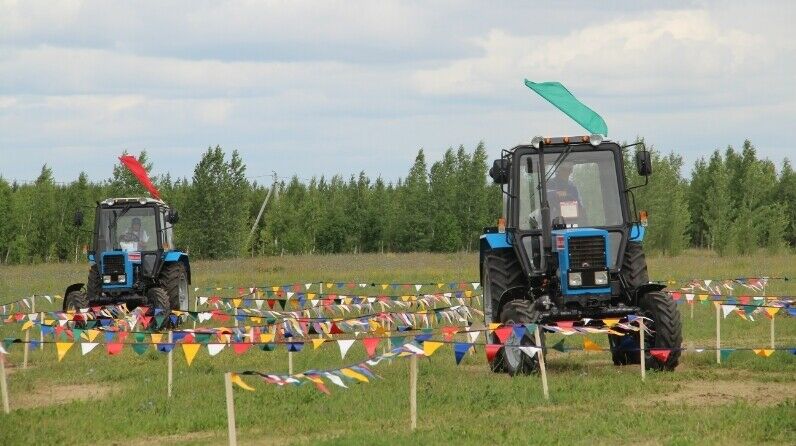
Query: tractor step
point(591, 313)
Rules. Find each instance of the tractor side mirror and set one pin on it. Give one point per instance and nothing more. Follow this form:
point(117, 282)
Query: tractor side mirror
point(173, 216)
point(78, 218)
point(644, 163)
point(500, 171)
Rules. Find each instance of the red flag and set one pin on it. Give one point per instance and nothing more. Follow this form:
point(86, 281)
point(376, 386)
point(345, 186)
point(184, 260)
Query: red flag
point(139, 171)
point(661, 354)
point(503, 333)
point(491, 351)
point(370, 345)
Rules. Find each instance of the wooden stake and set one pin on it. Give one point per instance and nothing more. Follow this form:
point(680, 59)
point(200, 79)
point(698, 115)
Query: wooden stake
point(642, 354)
point(27, 335)
point(413, 392)
point(718, 334)
point(233, 440)
point(289, 361)
point(692, 309)
point(41, 332)
point(171, 364)
point(542, 368)
point(3, 383)
point(773, 345)
point(195, 309)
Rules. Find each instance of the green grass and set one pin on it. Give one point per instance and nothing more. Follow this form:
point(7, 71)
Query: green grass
point(748, 400)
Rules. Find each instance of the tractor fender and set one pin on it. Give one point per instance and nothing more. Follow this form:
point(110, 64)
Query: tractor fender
point(177, 256)
point(489, 242)
point(646, 288)
point(73, 287)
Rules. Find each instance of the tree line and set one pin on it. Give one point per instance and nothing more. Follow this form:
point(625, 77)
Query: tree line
point(734, 203)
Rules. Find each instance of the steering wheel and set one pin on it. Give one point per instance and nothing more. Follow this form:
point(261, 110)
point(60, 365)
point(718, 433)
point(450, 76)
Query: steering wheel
point(128, 237)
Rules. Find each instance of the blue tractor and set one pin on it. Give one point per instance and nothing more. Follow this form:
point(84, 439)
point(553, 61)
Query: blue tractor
point(569, 247)
point(133, 259)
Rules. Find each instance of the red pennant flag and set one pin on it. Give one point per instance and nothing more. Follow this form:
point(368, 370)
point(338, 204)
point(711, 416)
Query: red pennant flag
point(565, 324)
point(677, 296)
point(114, 348)
point(503, 333)
point(335, 329)
point(448, 332)
point(744, 300)
point(491, 352)
point(370, 345)
point(661, 354)
point(140, 173)
point(320, 386)
point(241, 347)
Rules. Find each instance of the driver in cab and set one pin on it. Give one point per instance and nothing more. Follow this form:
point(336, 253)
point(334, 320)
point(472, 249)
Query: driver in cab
point(135, 233)
point(563, 195)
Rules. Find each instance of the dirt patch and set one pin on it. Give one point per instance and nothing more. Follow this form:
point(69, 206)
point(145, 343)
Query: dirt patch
point(715, 393)
point(186, 438)
point(54, 395)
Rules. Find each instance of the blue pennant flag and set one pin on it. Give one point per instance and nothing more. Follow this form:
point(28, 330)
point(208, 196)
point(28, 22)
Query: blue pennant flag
point(459, 350)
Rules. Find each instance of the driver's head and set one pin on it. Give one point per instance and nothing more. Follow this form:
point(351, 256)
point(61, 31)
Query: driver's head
point(564, 170)
point(135, 225)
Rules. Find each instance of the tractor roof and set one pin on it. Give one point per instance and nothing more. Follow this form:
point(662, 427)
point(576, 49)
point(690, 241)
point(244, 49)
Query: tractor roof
point(139, 200)
point(594, 140)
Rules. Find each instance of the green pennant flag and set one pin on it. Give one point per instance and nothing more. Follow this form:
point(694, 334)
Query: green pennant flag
point(560, 346)
point(203, 338)
point(726, 352)
point(561, 98)
point(91, 324)
point(140, 345)
point(77, 333)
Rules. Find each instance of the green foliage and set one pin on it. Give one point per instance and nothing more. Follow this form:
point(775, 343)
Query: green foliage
point(733, 203)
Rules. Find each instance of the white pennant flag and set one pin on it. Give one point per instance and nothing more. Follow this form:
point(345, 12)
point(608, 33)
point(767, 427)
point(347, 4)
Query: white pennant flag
point(727, 309)
point(202, 300)
point(2, 350)
point(215, 349)
point(475, 285)
point(307, 286)
point(417, 287)
point(49, 298)
point(258, 303)
point(335, 379)
point(86, 347)
point(344, 345)
point(530, 351)
point(204, 316)
point(473, 336)
point(689, 297)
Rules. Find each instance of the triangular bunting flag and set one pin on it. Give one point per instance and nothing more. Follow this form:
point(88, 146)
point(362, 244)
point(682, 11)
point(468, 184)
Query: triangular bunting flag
point(62, 348)
point(190, 351)
point(429, 347)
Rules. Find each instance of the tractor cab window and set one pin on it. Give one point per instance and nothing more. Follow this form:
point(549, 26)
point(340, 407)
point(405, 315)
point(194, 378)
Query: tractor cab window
point(582, 189)
point(127, 228)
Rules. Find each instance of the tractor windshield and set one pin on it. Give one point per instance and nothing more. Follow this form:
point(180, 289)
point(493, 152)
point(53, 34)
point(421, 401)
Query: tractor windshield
point(127, 228)
point(582, 189)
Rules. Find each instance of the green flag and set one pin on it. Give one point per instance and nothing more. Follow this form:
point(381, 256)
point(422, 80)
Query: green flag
point(558, 95)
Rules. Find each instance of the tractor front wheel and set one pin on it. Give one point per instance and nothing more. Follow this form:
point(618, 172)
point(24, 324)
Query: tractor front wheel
point(500, 271)
point(515, 361)
point(75, 300)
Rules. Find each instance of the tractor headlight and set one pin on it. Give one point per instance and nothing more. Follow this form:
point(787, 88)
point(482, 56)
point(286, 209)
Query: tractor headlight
point(122, 278)
point(106, 279)
point(575, 279)
point(601, 277)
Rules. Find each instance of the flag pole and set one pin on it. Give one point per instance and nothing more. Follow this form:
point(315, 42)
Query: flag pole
point(233, 441)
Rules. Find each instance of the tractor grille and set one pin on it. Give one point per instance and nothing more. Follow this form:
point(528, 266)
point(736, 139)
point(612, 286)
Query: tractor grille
point(113, 264)
point(587, 251)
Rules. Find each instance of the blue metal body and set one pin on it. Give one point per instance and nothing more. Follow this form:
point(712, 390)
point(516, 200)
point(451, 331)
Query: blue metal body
point(127, 285)
point(496, 240)
point(563, 258)
point(637, 233)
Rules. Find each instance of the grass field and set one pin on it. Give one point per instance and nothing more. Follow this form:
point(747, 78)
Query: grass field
point(122, 399)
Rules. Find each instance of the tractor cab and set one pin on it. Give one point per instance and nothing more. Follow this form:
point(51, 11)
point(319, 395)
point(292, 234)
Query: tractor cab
point(132, 258)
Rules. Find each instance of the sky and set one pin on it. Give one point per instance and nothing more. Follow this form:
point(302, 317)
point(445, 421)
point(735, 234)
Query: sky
point(325, 87)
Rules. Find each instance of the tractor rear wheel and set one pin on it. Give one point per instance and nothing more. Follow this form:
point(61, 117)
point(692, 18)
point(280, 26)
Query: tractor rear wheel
point(500, 271)
point(94, 283)
point(515, 361)
point(75, 300)
point(174, 280)
point(158, 299)
point(665, 334)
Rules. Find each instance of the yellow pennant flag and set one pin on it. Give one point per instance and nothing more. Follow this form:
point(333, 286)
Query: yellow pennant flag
point(352, 374)
point(91, 334)
point(266, 337)
point(238, 381)
point(156, 338)
point(763, 352)
point(236, 302)
point(429, 347)
point(62, 348)
point(703, 297)
point(27, 325)
point(591, 346)
point(493, 326)
point(610, 322)
point(771, 311)
point(317, 343)
point(190, 351)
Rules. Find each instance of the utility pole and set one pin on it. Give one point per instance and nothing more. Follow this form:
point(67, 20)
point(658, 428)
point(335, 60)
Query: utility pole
point(262, 208)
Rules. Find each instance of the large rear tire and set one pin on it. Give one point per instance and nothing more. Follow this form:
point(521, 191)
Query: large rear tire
point(93, 284)
point(174, 280)
point(665, 333)
point(515, 361)
point(500, 271)
point(75, 300)
point(634, 272)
